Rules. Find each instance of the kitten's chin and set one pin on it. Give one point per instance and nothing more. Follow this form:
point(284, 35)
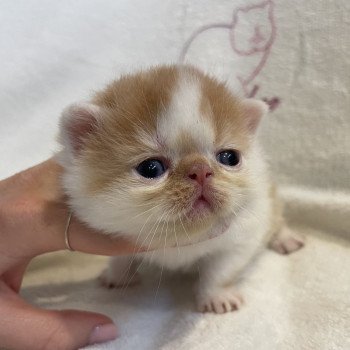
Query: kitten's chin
point(201, 216)
point(207, 227)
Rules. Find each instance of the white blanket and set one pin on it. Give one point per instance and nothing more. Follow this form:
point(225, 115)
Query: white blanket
point(295, 54)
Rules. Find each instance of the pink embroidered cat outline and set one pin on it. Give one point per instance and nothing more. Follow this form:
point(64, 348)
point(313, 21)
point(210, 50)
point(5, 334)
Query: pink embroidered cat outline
point(247, 41)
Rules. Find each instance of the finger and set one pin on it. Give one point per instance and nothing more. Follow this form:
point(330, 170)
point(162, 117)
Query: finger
point(81, 237)
point(27, 327)
point(13, 277)
point(89, 241)
point(41, 215)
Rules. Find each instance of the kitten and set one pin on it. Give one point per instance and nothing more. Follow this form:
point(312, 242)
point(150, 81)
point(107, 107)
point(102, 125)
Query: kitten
point(168, 158)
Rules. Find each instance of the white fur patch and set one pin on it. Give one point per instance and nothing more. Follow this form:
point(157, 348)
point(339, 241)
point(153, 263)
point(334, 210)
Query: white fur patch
point(183, 115)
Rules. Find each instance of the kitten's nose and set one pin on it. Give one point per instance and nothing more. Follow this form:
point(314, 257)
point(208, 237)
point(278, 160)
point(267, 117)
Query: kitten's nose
point(200, 173)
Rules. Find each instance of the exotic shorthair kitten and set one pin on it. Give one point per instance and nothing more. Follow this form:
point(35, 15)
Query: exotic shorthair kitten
point(168, 158)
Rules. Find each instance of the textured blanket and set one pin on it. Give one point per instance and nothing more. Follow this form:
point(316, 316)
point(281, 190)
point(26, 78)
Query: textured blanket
point(292, 54)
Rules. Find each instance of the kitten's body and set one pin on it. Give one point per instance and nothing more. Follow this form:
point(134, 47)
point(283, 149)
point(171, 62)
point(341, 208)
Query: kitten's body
point(198, 210)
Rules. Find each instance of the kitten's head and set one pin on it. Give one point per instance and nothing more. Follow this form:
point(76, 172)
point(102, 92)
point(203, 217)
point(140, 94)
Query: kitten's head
point(160, 152)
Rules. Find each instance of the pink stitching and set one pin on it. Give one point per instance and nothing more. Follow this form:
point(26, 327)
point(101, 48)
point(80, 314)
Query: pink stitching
point(246, 9)
point(256, 39)
point(196, 33)
point(265, 49)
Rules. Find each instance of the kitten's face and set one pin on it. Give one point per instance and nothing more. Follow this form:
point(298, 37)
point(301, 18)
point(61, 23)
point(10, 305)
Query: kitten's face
point(161, 156)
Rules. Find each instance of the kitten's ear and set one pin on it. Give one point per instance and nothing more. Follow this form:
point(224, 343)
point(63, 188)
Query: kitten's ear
point(253, 111)
point(77, 121)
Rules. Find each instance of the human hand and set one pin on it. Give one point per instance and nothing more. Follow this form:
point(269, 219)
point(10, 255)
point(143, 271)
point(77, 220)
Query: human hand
point(33, 217)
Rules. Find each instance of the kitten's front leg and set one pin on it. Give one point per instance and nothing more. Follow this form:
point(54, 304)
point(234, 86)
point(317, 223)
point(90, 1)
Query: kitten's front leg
point(120, 272)
point(215, 290)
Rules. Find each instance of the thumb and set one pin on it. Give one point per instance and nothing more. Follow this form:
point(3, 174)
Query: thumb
point(28, 327)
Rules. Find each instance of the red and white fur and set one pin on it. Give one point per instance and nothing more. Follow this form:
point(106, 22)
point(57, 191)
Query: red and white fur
point(200, 212)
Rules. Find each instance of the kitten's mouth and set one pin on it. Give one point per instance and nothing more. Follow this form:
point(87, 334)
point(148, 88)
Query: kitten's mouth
point(201, 203)
point(201, 206)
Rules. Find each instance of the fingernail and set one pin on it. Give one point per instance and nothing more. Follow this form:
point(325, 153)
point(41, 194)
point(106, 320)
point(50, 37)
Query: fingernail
point(103, 333)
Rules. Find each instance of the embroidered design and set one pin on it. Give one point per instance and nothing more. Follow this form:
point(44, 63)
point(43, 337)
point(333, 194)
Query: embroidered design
point(247, 39)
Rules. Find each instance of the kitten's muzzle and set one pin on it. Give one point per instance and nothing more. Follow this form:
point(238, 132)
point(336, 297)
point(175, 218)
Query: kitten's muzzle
point(200, 173)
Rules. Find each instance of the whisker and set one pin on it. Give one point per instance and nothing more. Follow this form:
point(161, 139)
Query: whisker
point(146, 211)
point(145, 204)
point(126, 273)
point(161, 272)
point(185, 230)
point(177, 243)
point(144, 241)
point(247, 210)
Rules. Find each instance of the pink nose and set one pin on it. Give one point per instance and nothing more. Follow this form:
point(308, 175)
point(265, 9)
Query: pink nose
point(200, 173)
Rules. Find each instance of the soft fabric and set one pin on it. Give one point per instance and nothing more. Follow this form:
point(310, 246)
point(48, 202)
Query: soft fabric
point(292, 302)
point(293, 54)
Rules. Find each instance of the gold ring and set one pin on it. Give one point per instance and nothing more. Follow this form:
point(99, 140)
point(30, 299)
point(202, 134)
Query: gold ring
point(66, 236)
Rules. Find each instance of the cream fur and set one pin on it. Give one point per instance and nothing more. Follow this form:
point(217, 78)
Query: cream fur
point(183, 115)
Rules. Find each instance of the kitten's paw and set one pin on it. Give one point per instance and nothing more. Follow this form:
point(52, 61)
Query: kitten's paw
point(109, 280)
point(220, 302)
point(286, 242)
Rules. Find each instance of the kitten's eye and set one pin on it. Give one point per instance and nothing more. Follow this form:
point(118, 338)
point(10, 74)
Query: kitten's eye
point(151, 168)
point(229, 157)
